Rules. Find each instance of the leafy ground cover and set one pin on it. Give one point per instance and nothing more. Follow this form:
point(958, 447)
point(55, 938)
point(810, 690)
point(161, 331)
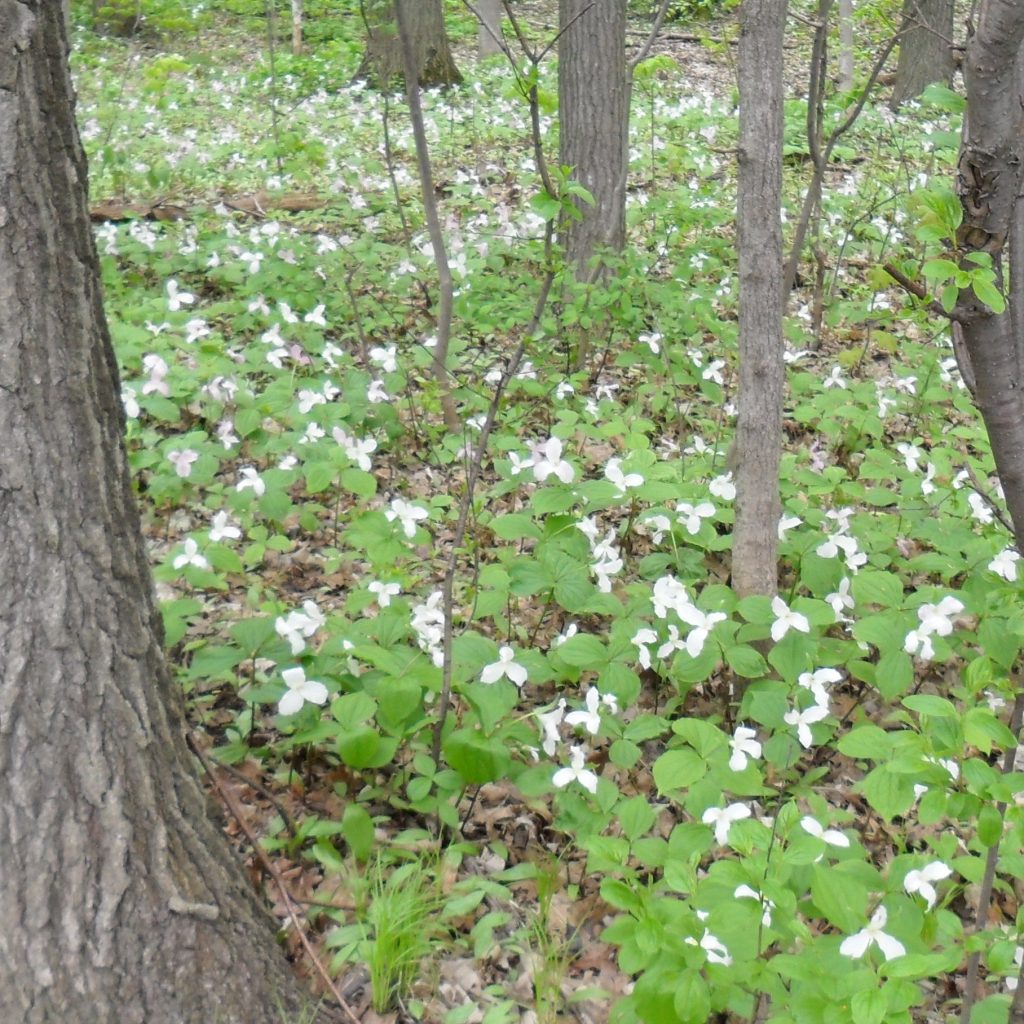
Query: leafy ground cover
point(651, 801)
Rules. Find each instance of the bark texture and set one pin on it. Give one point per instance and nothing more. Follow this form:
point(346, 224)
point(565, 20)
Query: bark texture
point(989, 183)
point(120, 902)
point(925, 54)
point(296, 27)
point(761, 367)
point(489, 33)
point(593, 123)
point(383, 61)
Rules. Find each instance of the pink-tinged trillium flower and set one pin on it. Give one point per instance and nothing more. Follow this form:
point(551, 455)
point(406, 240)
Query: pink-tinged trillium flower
point(300, 690)
point(803, 720)
point(787, 619)
point(407, 515)
point(723, 818)
point(182, 461)
point(384, 592)
point(857, 945)
point(157, 370)
point(576, 772)
point(548, 461)
point(505, 667)
point(828, 835)
point(1005, 564)
point(190, 556)
point(920, 880)
point(222, 528)
point(745, 892)
point(250, 480)
point(743, 746)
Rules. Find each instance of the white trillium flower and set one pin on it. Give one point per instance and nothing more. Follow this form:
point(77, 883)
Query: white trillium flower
point(920, 880)
point(190, 556)
point(576, 772)
point(591, 718)
point(548, 461)
point(767, 906)
point(1005, 564)
point(841, 600)
point(723, 818)
point(549, 723)
point(723, 487)
point(979, 508)
point(408, 516)
point(803, 720)
point(911, 453)
point(690, 516)
point(384, 592)
point(786, 619)
point(857, 945)
point(250, 480)
point(505, 667)
point(222, 528)
point(703, 623)
point(182, 461)
point(300, 690)
point(829, 835)
point(623, 481)
point(643, 639)
point(817, 681)
point(787, 523)
point(744, 746)
point(175, 298)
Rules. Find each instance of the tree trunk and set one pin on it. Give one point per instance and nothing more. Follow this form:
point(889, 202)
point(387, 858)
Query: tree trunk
point(382, 62)
point(925, 54)
point(845, 61)
point(759, 239)
point(489, 33)
point(593, 124)
point(297, 27)
point(120, 902)
point(988, 181)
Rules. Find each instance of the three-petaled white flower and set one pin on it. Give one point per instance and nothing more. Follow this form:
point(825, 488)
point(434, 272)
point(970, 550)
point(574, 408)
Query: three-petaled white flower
point(591, 718)
point(723, 487)
point(816, 682)
point(767, 906)
point(920, 880)
point(548, 461)
point(190, 556)
point(296, 626)
point(857, 945)
point(934, 619)
point(1005, 564)
point(743, 746)
point(549, 723)
point(787, 619)
point(577, 771)
point(176, 299)
point(251, 480)
point(623, 481)
point(643, 639)
point(803, 720)
point(723, 818)
point(829, 835)
point(702, 623)
point(505, 667)
point(384, 592)
point(841, 600)
point(407, 515)
point(182, 461)
point(690, 516)
point(300, 689)
point(223, 529)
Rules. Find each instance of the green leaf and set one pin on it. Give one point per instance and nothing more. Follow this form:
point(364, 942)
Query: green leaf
point(869, 1006)
point(678, 769)
point(355, 481)
point(866, 741)
point(878, 588)
point(894, 674)
point(364, 747)
point(692, 999)
point(838, 897)
point(983, 730)
point(476, 757)
point(704, 737)
point(929, 704)
point(357, 828)
point(636, 817)
point(319, 476)
point(514, 526)
point(990, 825)
point(745, 661)
point(252, 634)
point(889, 793)
point(989, 294)
point(991, 1010)
point(583, 650)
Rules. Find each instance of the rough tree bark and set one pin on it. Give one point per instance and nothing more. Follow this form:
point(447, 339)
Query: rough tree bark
point(383, 61)
point(989, 182)
point(925, 54)
point(297, 27)
point(489, 31)
point(593, 124)
point(120, 902)
point(761, 367)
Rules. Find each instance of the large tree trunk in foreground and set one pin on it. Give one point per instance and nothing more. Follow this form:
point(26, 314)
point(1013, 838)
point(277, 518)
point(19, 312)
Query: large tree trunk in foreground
point(925, 54)
point(382, 62)
point(759, 227)
point(120, 902)
point(989, 180)
point(593, 123)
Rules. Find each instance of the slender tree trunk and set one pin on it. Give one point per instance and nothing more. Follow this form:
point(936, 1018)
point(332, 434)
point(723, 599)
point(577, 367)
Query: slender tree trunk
point(120, 902)
point(489, 32)
point(383, 61)
point(593, 116)
point(845, 61)
point(296, 27)
point(759, 227)
point(925, 54)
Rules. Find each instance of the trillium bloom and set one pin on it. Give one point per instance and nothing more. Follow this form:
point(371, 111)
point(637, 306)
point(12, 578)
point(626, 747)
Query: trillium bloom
point(829, 835)
point(840, 600)
point(787, 523)
point(745, 892)
point(591, 718)
point(298, 625)
point(222, 528)
point(175, 298)
point(182, 461)
point(407, 515)
point(190, 556)
point(723, 487)
point(786, 619)
point(548, 461)
point(911, 453)
point(723, 818)
point(300, 690)
point(623, 481)
point(979, 508)
point(803, 720)
point(702, 622)
point(938, 618)
point(505, 667)
point(1005, 564)
point(250, 480)
point(643, 639)
point(744, 746)
point(816, 682)
point(385, 358)
point(920, 880)
point(549, 723)
point(690, 516)
point(577, 771)
point(384, 592)
point(857, 945)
